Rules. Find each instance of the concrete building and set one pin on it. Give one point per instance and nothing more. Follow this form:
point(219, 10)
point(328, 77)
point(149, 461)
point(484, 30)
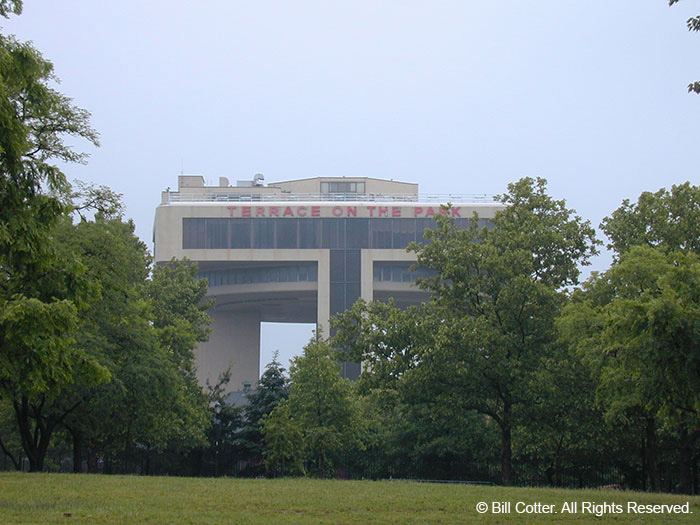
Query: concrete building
point(296, 251)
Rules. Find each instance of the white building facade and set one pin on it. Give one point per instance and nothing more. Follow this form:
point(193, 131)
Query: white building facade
point(296, 251)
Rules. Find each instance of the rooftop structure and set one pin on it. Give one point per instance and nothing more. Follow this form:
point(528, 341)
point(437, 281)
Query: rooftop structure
point(192, 188)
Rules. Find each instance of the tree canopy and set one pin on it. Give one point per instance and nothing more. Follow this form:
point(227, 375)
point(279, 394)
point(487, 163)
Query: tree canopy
point(495, 293)
point(670, 219)
point(693, 24)
point(321, 412)
point(638, 326)
point(41, 293)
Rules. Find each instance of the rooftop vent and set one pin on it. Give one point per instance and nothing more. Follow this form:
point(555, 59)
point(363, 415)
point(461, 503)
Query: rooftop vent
point(258, 179)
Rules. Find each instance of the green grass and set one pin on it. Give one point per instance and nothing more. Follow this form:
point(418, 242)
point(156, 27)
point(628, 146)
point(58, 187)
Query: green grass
point(86, 498)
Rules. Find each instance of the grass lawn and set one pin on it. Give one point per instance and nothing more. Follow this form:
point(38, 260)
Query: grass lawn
point(90, 498)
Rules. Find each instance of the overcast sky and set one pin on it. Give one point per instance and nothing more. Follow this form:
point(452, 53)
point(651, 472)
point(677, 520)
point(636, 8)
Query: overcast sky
point(458, 96)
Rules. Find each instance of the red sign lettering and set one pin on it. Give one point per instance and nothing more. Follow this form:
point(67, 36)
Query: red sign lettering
point(338, 211)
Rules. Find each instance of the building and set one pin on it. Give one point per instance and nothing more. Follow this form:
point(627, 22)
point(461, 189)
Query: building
point(297, 251)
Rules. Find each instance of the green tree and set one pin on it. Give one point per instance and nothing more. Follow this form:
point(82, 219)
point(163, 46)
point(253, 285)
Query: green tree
point(665, 218)
point(284, 442)
point(387, 341)
point(321, 403)
point(562, 430)
point(10, 6)
point(271, 390)
point(639, 326)
point(495, 294)
point(669, 220)
point(693, 24)
point(416, 427)
point(224, 445)
point(177, 298)
point(153, 399)
point(41, 294)
point(160, 405)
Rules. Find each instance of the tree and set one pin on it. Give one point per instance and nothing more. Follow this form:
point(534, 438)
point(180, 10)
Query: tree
point(638, 325)
point(284, 442)
point(222, 436)
point(10, 6)
point(495, 294)
point(693, 24)
point(415, 426)
point(34, 119)
point(40, 294)
point(320, 404)
point(179, 308)
point(271, 390)
point(669, 221)
point(152, 401)
point(665, 218)
point(387, 341)
point(563, 431)
point(177, 300)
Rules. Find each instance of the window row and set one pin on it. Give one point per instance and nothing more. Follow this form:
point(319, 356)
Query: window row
point(234, 233)
point(399, 272)
point(272, 274)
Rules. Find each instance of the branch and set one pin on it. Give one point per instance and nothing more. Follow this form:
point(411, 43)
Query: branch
point(9, 454)
point(67, 412)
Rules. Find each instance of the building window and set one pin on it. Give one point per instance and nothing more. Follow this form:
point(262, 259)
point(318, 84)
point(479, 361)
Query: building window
point(381, 233)
point(342, 187)
point(240, 234)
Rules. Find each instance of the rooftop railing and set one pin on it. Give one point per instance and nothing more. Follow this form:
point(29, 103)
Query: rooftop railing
point(172, 197)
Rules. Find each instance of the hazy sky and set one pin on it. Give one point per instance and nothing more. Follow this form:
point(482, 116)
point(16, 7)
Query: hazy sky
point(459, 96)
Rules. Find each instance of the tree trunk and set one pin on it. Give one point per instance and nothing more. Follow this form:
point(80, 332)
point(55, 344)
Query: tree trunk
point(651, 457)
point(685, 462)
point(36, 443)
point(107, 464)
point(91, 461)
point(506, 448)
point(77, 452)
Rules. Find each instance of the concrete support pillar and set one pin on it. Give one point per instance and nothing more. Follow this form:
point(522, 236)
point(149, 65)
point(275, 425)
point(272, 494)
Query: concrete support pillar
point(323, 305)
point(366, 275)
point(234, 343)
